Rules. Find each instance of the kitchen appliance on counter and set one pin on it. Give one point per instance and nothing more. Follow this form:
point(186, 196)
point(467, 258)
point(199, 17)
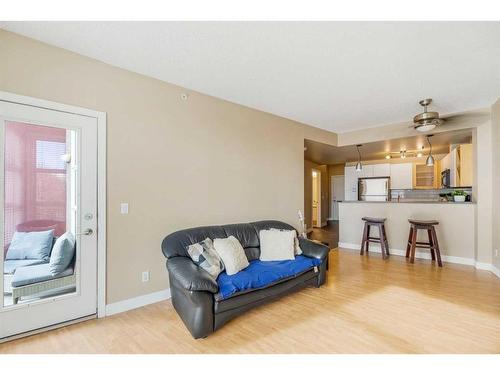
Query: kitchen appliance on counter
point(446, 178)
point(375, 189)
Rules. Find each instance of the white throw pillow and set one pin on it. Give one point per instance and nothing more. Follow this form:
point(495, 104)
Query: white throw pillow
point(277, 244)
point(297, 249)
point(232, 254)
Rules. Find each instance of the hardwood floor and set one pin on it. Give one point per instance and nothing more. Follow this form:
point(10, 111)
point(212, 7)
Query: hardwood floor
point(367, 306)
point(328, 234)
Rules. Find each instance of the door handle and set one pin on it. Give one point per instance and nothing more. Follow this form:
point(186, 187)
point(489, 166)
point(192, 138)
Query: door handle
point(86, 232)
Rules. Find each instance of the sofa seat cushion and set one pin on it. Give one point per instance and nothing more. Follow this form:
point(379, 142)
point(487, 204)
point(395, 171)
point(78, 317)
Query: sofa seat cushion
point(260, 274)
point(10, 266)
point(36, 274)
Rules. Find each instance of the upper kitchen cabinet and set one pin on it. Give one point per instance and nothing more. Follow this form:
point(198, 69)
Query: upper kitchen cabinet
point(401, 176)
point(465, 165)
point(460, 163)
point(425, 177)
point(381, 170)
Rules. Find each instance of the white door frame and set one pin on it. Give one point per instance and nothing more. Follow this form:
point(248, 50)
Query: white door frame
point(101, 180)
point(318, 213)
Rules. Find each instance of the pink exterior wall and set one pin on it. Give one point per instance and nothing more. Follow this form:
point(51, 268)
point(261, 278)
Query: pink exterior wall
point(35, 179)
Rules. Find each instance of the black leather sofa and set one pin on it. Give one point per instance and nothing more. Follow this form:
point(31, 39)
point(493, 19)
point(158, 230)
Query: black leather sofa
point(194, 291)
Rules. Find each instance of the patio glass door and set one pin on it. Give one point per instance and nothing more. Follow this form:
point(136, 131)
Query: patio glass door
point(48, 206)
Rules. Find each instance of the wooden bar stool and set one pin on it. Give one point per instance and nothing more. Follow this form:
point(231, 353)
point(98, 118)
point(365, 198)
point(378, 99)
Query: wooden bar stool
point(432, 245)
point(382, 240)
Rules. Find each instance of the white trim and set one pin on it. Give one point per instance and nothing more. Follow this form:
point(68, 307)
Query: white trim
point(101, 212)
point(134, 303)
point(101, 179)
point(375, 248)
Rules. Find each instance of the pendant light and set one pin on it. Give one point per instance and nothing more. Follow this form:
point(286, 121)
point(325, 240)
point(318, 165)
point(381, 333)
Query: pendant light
point(430, 159)
point(358, 164)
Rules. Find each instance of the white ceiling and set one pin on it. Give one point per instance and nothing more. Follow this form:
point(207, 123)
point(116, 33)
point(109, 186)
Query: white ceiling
point(338, 76)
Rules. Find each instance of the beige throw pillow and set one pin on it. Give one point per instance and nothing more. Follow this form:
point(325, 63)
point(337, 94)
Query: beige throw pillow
point(232, 254)
point(277, 244)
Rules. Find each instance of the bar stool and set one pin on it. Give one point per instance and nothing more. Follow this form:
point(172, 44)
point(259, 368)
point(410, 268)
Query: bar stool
point(432, 245)
point(382, 240)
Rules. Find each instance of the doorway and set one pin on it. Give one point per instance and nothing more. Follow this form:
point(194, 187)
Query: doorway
point(49, 204)
point(316, 198)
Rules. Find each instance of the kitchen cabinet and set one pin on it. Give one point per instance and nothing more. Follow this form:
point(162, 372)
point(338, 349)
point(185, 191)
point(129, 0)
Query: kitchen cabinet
point(425, 177)
point(460, 163)
point(401, 176)
point(381, 170)
point(366, 171)
point(465, 164)
point(351, 184)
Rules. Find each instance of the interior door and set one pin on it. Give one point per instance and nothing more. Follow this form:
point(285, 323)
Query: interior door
point(48, 190)
point(337, 185)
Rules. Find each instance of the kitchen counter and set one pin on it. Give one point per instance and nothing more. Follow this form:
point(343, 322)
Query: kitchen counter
point(456, 229)
point(409, 201)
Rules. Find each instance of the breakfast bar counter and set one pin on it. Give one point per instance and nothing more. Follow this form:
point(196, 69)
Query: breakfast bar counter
point(455, 232)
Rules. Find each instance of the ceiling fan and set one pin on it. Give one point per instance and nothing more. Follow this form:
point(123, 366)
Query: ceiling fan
point(426, 121)
point(429, 120)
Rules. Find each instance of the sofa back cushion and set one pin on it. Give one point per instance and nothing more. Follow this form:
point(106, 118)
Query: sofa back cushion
point(176, 244)
point(31, 245)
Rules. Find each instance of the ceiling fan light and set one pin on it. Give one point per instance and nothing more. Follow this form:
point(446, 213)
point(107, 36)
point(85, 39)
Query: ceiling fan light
point(426, 127)
point(430, 161)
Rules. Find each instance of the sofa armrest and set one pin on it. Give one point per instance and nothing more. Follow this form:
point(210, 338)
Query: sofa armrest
point(313, 249)
point(190, 276)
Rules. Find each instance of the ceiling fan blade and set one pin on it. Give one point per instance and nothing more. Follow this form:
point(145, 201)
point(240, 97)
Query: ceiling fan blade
point(470, 116)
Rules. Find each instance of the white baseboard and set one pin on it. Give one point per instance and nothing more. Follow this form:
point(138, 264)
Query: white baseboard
point(488, 267)
point(419, 255)
point(134, 303)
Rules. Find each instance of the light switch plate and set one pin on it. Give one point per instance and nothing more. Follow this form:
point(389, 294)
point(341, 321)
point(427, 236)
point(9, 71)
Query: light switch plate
point(145, 276)
point(124, 208)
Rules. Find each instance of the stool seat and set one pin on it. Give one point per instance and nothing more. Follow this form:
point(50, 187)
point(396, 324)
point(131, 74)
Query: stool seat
point(432, 245)
point(374, 219)
point(381, 239)
point(423, 223)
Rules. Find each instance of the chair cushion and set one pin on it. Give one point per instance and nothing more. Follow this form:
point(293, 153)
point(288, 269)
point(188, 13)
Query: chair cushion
point(10, 266)
point(31, 245)
point(260, 274)
point(36, 274)
point(62, 253)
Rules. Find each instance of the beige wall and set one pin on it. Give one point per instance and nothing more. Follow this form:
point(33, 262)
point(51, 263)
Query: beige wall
point(495, 121)
point(483, 192)
point(455, 231)
point(178, 163)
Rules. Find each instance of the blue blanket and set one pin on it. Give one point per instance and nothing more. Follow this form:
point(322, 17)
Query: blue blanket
point(260, 274)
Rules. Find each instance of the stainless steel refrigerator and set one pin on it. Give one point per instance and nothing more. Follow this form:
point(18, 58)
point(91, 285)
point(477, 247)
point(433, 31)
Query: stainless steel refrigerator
point(374, 189)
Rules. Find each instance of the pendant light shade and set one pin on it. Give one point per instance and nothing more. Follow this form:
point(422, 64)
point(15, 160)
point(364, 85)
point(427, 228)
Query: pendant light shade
point(430, 159)
point(359, 166)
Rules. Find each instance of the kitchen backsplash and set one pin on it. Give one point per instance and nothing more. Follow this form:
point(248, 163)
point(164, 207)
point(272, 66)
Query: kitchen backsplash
point(421, 194)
